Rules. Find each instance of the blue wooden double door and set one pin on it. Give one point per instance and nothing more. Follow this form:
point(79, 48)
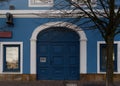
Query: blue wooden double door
point(58, 54)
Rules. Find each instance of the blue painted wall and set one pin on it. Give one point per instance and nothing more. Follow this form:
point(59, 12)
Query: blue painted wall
point(24, 27)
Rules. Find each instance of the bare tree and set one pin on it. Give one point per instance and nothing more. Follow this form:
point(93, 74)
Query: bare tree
point(106, 19)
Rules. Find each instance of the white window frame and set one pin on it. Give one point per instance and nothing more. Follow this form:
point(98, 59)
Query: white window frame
point(98, 56)
point(94, 3)
point(32, 3)
point(1, 57)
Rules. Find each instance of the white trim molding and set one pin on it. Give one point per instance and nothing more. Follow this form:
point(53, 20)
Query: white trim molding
point(46, 13)
point(41, 13)
point(83, 44)
point(1, 57)
point(98, 56)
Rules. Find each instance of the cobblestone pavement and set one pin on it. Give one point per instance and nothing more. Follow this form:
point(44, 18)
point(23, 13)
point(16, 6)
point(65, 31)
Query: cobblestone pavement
point(50, 83)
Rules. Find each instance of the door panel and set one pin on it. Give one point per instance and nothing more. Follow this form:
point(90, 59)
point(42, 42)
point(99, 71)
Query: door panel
point(73, 73)
point(44, 73)
point(57, 73)
point(57, 57)
point(43, 61)
point(57, 60)
point(72, 60)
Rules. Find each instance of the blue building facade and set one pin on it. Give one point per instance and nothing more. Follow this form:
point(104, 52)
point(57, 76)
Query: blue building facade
point(46, 45)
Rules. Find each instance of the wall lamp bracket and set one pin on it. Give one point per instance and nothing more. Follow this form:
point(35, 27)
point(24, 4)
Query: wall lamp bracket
point(9, 18)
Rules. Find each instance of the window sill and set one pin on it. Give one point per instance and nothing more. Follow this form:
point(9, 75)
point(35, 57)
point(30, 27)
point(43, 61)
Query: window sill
point(38, 5)
point(11, 73)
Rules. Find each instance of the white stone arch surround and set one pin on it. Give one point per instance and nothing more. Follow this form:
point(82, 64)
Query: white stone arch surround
point(83, 44)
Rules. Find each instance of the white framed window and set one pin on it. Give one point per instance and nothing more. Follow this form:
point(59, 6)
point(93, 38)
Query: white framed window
point(82, 2)
point(101, 57)
point(41, 3)
point(11, 57)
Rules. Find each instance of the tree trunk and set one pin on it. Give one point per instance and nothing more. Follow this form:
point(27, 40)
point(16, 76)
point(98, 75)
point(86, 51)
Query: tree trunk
point(110, 64)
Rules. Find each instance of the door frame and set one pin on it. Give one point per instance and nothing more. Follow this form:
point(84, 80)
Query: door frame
point(82, 41)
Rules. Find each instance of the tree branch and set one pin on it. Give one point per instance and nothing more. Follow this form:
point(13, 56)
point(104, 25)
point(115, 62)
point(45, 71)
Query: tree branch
point(104, 7)
point(117, 18)
point(91, 14)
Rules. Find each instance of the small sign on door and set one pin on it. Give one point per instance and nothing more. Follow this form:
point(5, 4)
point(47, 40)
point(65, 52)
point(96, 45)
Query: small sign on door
point(42, 59)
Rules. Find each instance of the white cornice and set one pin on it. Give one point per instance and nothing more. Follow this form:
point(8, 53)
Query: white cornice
point(43, 13)
point(46, 13)
point(38, 13)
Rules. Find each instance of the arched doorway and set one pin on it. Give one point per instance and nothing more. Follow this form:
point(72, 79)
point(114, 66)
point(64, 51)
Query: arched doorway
point(76, 29)
point(58, 54)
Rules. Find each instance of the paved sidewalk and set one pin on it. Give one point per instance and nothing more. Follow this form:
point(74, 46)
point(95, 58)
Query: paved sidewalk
point(50, 83)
